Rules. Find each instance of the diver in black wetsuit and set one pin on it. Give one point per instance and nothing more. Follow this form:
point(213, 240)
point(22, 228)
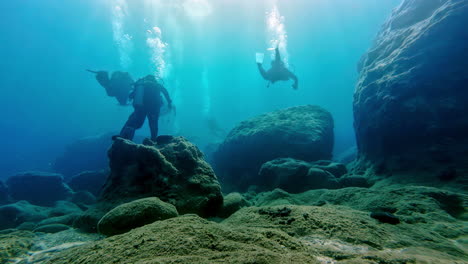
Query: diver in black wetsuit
point(278, 71)
point(147, 102)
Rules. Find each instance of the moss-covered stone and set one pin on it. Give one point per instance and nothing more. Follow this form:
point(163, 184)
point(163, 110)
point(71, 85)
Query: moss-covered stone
point(135, 214)
point(171, 168)
point(191, 239)
point(14, 244)
point(232, 203)
point(301, 132)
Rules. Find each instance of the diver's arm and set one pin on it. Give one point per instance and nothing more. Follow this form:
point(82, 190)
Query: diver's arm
point(166, 95)
point(262, 71)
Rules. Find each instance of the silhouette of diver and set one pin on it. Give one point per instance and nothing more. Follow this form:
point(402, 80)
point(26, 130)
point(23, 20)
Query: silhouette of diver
point(278, 71)
point(118, 86)
point(147, 102)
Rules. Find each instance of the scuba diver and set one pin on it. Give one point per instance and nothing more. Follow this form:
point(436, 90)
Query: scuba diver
point(119, 85)
point(147, 102)
point(146, 96)
point(278, 71)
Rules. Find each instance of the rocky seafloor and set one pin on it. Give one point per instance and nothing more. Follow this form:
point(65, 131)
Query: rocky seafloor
point(272, 193)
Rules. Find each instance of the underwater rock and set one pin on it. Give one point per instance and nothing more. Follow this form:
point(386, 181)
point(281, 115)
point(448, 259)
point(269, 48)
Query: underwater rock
point(385, 217)
point(88, 220)
point(191, 239)
point(336, 169)
point(232, 203)
point(413, 204)
point(14, 244)
point(171, 169)
point(303, 132)
point(51, 228)
point(28, 226)
point(134, 214)
point(91, 181)
point(3, 193)
point(354, 181)
point(410, 103)
point(12, 215)
point(83, 198)
point(64, 208)
point(64, 219)
point(38, 188)
point(297, 176)
point(341, 223)
point(87, 154)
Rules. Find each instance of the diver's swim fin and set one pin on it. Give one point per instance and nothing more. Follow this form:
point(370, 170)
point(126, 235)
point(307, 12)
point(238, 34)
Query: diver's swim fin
point(259, 57)
point(91, 71)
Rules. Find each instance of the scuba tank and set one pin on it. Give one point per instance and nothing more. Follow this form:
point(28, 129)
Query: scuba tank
point(138, 94)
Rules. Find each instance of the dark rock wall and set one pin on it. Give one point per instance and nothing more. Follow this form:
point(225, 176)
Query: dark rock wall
point(411, 101)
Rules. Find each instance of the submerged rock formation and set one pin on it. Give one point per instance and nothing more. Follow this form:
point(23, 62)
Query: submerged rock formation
point(87, 154)
point(303, 132)
point(39, 188)
point(134, 214)
point(299, 176)
point(91, 181)
point(411, 100)
point(171, 169)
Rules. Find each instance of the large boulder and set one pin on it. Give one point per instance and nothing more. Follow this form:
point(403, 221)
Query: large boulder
point(171, 168)
point(38, 188)
point(297, 176)
point(302, 132)
point(87, 154)
point(411, 100)
point(134, 214)
point(91, 181)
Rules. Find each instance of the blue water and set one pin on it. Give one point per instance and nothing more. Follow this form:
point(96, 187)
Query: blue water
point(203, 49)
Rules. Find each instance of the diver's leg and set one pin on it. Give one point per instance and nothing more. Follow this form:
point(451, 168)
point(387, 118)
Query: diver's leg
point(134, 122)
point(153, 121)
point(293, 77)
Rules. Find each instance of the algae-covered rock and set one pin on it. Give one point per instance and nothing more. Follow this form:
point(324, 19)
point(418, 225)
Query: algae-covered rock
point(91, 181)
point(51, 228)
point(411, 203)
point(191, 239)
point(411, 100)
point(83, 198)
point(12, 215)
point(303, 132)
point(347, 225)
point(232, 203)
point(38, 188)
point(171, 168)
point(135, 214)
point(14, 244)
point(88, 220)
point(298, 176)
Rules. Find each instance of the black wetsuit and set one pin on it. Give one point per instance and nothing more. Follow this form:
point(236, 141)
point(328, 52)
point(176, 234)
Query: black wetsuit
point(277, 72)
point(147, 105)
